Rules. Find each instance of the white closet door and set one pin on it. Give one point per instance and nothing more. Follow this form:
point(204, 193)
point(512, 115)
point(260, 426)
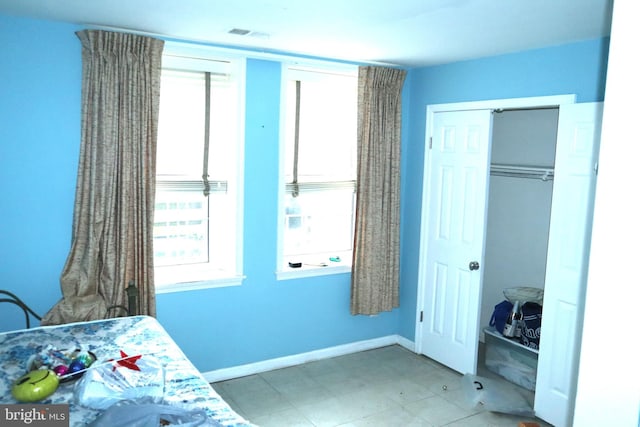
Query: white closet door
point(451, 273)
point(567, 260)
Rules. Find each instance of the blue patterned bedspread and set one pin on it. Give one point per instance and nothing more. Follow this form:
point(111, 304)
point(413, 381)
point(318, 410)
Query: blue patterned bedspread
point(184, 385)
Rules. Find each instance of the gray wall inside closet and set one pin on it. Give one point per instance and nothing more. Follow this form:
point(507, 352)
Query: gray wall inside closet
point(519, 208)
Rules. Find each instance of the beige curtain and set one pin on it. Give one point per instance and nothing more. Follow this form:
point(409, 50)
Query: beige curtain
point(113, 213)
point(376, 253)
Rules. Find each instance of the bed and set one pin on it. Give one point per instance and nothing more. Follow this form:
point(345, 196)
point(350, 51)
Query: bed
point(184, 386)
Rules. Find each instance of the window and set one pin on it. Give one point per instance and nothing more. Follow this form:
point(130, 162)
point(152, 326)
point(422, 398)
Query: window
point(319, 169)
point(197, 230)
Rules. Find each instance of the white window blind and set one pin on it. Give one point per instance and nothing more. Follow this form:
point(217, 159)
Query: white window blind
point(198, 191)
point(320, 165)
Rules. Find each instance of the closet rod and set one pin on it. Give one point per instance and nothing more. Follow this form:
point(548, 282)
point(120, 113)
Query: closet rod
point(532, 172)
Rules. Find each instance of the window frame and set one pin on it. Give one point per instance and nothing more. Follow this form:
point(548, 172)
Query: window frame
point(181, 56)
point(289, 69)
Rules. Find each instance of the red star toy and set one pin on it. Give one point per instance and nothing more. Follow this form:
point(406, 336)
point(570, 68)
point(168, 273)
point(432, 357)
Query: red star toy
point(128, 361)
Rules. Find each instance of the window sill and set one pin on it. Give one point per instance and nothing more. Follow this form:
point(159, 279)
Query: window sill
point(296, 273)
point(167, 288)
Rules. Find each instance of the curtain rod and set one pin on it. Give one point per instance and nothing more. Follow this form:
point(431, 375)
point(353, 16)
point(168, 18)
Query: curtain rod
point(248, 51)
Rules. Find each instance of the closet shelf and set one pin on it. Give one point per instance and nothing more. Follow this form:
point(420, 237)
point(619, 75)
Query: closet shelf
point(516, 171)
point(508, 341)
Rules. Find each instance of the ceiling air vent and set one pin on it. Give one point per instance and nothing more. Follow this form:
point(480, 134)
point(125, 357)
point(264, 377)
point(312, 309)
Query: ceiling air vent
point(239, 32)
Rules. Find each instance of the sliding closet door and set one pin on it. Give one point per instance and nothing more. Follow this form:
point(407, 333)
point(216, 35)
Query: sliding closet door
point(567, 260)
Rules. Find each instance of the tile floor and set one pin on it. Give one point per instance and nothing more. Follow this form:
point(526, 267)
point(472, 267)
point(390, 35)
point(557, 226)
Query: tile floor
point(389, 386)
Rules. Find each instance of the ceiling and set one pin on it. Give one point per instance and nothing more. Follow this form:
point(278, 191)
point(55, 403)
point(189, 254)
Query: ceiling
point(408, 33)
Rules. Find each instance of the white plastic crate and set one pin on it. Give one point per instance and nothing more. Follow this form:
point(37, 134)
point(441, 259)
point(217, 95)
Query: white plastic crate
point(510, 359)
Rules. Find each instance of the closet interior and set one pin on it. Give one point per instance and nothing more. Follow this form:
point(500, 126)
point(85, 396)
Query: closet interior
point(518, 217)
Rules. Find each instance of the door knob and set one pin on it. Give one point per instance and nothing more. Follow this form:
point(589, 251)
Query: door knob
point(474, 265)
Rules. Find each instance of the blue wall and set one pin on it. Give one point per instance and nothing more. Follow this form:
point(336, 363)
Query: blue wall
point(40, 73)
point(577, 68)
point(265, 318)
point(40, 84)
point(40, 77)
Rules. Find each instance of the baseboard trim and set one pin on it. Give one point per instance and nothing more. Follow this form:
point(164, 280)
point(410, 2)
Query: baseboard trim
point(298, 359)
